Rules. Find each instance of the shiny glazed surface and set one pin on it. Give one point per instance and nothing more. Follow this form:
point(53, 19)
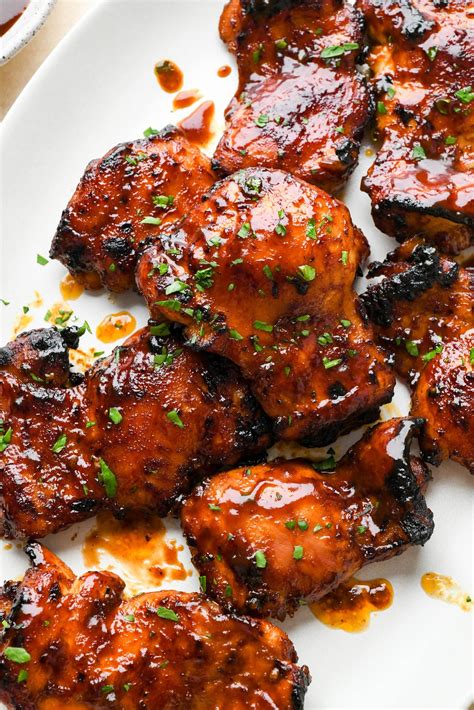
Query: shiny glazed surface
point(270, 537)
point(262, 273)
point(90, 648)
point(295, 109)
point(134, 434)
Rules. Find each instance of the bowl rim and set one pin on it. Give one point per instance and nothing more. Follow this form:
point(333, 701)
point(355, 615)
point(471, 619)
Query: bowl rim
point(25, 28)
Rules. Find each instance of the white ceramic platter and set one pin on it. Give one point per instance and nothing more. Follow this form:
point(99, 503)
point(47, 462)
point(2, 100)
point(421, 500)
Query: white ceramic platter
point(95, 90)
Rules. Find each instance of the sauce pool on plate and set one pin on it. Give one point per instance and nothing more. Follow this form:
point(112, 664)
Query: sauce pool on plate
point(186, 98)
point(169, 76)
point(224, 71)
point(116, 326)
point(350, 605)
point(439, 586)
point(70, 288)
point(197, 126)
point(10, 12)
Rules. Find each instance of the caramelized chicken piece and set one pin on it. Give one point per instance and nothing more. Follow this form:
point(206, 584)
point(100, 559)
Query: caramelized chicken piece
point(75, 642)
point(268, 538)
point(262, 272)
point(301, 105)
point(424, 300)
point(444, 396)
point(121, 199)
point(422, 180)
point(133, 435)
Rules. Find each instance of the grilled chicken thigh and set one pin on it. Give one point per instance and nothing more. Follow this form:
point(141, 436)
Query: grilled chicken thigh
point(301, 105)
point(423, 313)
point(120, 201)
point(262, 273)
point(268, 538)
point(422, 180)
point(75, 642)
point(133, 435)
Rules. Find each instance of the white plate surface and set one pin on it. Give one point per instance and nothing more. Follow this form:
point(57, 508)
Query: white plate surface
point(95, 90)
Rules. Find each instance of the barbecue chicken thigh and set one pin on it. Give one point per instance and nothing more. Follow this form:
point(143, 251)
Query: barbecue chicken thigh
point(423, 313)
point(269, 538)
point(75, 642)
point(133, 435)
point(301, 105)
point(422, 59)
point(121, 200)
point(262, 273)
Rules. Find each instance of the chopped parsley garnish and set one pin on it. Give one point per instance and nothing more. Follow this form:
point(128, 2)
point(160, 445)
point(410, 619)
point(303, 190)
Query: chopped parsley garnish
point(465, 95)
point(345, 323)
point(41, 260)
point(311, 229)
point(317, 528)
point(338, 50)
point(257, 54)
point(268, 272)
point(381, 108)
point(331, 363)
point(165, 613)
point(174, 417)
point(163, 201)
point(298, 552)
point(361, 529)
point(161, 329)
point(328, 464)
point(172, 304)
point(281, 43)
point(22, 676)
point(203, 583)
point(412, 348)
point(290, 524)
point(307, 272)
point(16, 654)
point(260, 559)
point(5, 303)
point(431, 52)
point(156, 221)
point(90, 424)
point(114, 415)
point(177, 286)
point(107, 689)
point(59, 444)
point(302, 524)
point(431, 354)
point(450, 140)
point(244, 231)
point(280, 228)
point(260, 325)
point(148, 132)
point(107, 479)
point(344, 257)
point(235, 335)
point(5, 439)
point(215, 508)
point(471, 356)
point(418, 152)
point(262, 120)
point(391, 92)
point(129, 617)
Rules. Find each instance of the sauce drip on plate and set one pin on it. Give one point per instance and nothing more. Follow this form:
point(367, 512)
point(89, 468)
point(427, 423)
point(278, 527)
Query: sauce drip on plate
point(224, 71)
point(70, 288)
point(439, 586)
point(350, 605)
point(169, 76)
point(197, 126)
point(116, 326)
point(138, 544)
point(11, 13)
point(186, 98)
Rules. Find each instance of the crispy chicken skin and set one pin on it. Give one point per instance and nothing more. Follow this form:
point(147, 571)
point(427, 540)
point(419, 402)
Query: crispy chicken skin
point(270, 537)
point(444, 395)
point(264, 276)
point(295, 108)
point(422, 180)
point(133, 435)
point(159, 177)
point(167, 650)
point(424, 300)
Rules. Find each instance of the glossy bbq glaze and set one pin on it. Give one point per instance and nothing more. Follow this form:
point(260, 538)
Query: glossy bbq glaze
point(134, 434)
point(350, 605)
point(424, 301)
point(122, 199)
point(262, 272)
point(267, 538)
point(444, 396)
point(169, 76)
point(197, 127)
point(301, 105)
point(81, 645)
point(423, 66)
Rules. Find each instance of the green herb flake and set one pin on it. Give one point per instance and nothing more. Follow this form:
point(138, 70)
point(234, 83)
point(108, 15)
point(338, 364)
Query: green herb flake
point(290, 524)
point(41, 260)
point(161, 329)
point(215, 508)
point(260, 559)
point(338, 50)
point(450, 140)
point(129, 617)
point(261, 325)
point(244, 231)
point(432, 52)
point(172, 304)
point(114, 415)
point(262, 120)
point(163, 201)
point(345, 323)
point(155, 221)
point(107, 689)
point(317, 528)
point(175, 419)
point(16, 654)
point(148, 132)
point(344, 257)
point(298, 552)
point(165, 613)
point(361, 529)
point(203, 583)
point(22, 676)
point(281, 43)
point(59, 444)
point(235, 335)
point(431, 354)
point(311, 229)
point(303, 525)
point(107, 479)
point(412, 348)
point(331, 363)
point(381, 108)
point(465, 95)
point(418, 152)
point(307, 272)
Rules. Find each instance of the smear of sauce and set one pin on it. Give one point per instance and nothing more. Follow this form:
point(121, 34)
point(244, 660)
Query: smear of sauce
point(83, 359)
point(139, 545)
point(224, 71)
point(369, 152)
point(186, 98)
point(7, 546)
point(197, 126)
point(11, 13)
point(169, 76)
point(59, 314)
point(439, 586)
point(350, 605)
point(116, 326)
point(70, 288)
point(21, 324)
